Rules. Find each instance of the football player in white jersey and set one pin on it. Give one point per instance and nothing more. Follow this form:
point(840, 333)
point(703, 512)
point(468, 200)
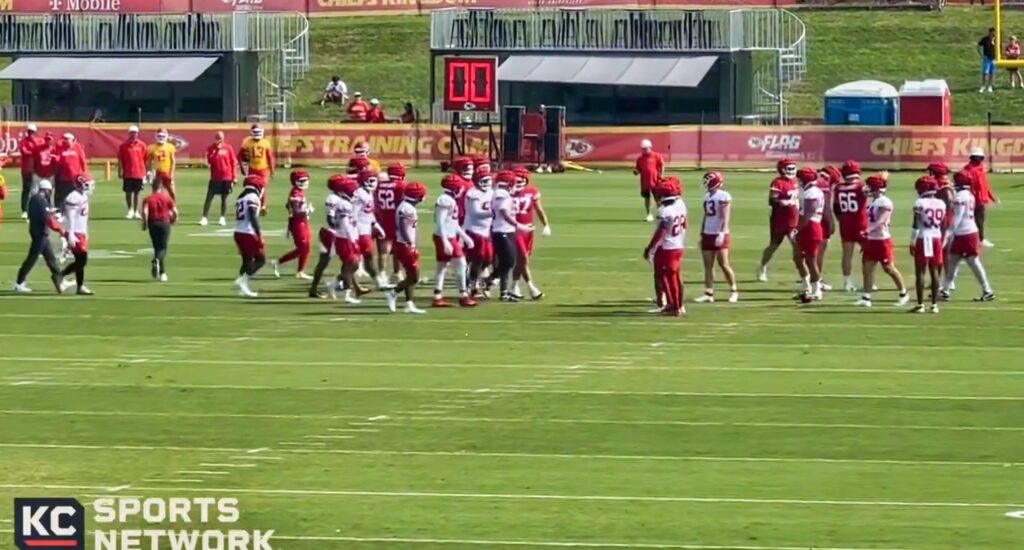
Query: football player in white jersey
point(715, 238)
point(665, 249)
point(963, 240)
point(76, 212)
point(449, 240)
point(406, 252)
point(877, 243)
point(329, 234)
point(478, 226)
point(809, 235)
point(926, 239)
point(366, 222)
point(248, 234)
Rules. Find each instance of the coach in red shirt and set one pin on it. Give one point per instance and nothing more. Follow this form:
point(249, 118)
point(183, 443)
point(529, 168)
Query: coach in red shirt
point(131, 168)
point(158, 214)
point(649, 166)
point(26, 149)
point(982, 191)
point(220, 155)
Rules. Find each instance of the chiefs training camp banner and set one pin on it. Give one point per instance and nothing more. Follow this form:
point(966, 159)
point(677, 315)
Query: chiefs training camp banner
point(747, 147)
point(343, 7)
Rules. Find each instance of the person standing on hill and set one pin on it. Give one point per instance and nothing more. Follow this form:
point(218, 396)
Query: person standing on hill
point(987, 48)
point(1012, 52)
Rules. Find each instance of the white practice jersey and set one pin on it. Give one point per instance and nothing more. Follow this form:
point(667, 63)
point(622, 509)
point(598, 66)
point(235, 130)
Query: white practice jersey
point(362, 201)
point(76, 205)
point(346, 216)
point(930, 213)
point(876, 211)
point(963, 213)
point(446, 216)
point(478, 211)
point(331, 207)
point(714, 211)
point(406, 217)
point(815, 194)
point(672, 221)
point(244, 213)
point(502, 203)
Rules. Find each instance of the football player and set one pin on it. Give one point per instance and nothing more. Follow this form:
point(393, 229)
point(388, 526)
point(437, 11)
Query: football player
point(249, 234)
point(361, 159)
point(849, 204)
point(366, 223)
point(946, 194)
point(256, 157)
point(478, 227)
point(926, 239)
point(449, 239)
point(714, 237)
point(386, 199)
point(782, 197)
point(503, 233)
point(877, 243)
point(161, 161)
point(665, 249)
point(963, 239)
point(809, 235)
point(299, 210)
point(828, 178)
point(527, 201)
point(328, 234)
point(76, 211)
point(405, 246)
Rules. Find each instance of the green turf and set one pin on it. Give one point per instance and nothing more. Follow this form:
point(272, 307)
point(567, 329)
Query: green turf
point(578, 419)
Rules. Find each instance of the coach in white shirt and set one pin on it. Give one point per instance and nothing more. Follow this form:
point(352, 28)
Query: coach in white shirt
point(335, 92)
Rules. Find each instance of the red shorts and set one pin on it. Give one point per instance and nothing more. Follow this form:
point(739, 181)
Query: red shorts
point(965, 245)
point(165, 179)
point(851, 229)
point(707, 242)
point(408, 256)
point(668, 260)
point(327, 238)
point(828, 227)
point(483, 249)
point(249, 245)
point(809, 240)
point(262, 172)
point(298, 228)
point(524, 242)
point(439, 254)
point(877, 250)
point(346, 249)
point(784, 221)
point(387, 223)
point(921, 261)
point(81, 245)
point(365, 244)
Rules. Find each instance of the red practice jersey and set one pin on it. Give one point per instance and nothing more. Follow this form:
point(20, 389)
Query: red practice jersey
point(71, 162)
point(297, 207)
point(222, 161)
point(44, 161)
point(27, 148)
point(525, 202)
point(649, 165)
point(131, 155)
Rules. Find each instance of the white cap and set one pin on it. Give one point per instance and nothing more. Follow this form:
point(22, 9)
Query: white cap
point(977, 152)
point(69, 136)
point(374, 101)
point(133, 129)
point(359, 94)
point(646, 144)
point(31, 127)
point(44, 185)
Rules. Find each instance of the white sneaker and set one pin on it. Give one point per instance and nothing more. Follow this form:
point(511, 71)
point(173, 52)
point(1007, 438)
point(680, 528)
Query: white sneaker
point(84, 291)
point(825, 287)
point(705, 299)
point(934, 308)
point(246, 292)
point(203, 221)
point(411, 308)
point(990, 90)
point(762, 274)
point(649, 218)
point(987, 243)
point(24, 215)
point(919, 308)
point(817, 295)
point(130, 215)
point(864, 302)
point(361, 273)
point(277, 269)
point(163, 277)
point(22, 288)
point(392, 297)
point(952, 286)
point(903, 300)
point(350, 299)
point(383, 281)
point(734, 297)
point(849, 286)
point(302, 275)
point(138, 215)
point(654, 310)
point(222, 222)
point(332, 290)
point(981, 90)
point(65, 285)
point(239, 280)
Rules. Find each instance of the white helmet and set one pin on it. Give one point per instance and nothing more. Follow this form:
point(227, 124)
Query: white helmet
point(646, 144)
point(162, 136)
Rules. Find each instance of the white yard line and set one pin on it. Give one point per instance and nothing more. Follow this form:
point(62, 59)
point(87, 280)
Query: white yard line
point(216, 465)
point(202, 473)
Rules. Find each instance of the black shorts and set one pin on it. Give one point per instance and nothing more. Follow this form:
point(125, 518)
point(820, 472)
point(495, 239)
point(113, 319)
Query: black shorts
point(131, 186)
point(220, 187)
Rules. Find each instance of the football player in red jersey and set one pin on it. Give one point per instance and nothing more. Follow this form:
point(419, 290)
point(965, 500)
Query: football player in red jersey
point(463, 166)
point(809, 234)
point(665, 249)
point(828, 178)
point(526, 198)
point(405, 246)
point(298, 209)
point(782, 197)
point(386, 199)
point(849, 204)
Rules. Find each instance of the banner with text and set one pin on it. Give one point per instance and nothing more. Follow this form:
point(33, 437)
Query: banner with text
point(749, 147)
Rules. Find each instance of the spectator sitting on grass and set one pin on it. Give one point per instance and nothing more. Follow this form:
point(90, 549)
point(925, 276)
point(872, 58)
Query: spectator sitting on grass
point(409, 115)
point(376, 113)
point(335, 92)
point(1013, 53)
point(358, 109)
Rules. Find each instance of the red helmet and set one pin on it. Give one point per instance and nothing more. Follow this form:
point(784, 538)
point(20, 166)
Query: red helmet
point(464, 166)
point(963, 178)
point(300, 178)
point(358, 164)
point(938, 169)
point(254, 180)
point(397, 171)
point(850, 169)
point(522, 177)
point(670, 187)
point(481, 163)
point(81, 183)
point(926, 185)
point(876, 183)
point(807, 175)
point(832, 174)
point(786, 167)
point(713, 180)
point(336, 183)
point(452, 182)
point(415, 191)
point(505, 178)
point(361, 149)
point(367, 178)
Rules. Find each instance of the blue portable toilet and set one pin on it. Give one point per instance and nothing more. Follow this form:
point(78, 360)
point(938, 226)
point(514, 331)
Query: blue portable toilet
point(862, 103)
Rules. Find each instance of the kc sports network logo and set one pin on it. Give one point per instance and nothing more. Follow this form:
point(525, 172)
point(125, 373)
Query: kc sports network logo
point(61, 523)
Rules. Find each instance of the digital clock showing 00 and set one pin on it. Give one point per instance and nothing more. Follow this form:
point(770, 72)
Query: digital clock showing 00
point(471, 84)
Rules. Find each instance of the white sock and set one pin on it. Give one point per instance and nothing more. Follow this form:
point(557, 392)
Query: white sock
point(950, 271)
point(533, 288)
point(848, 280)
point(460, 273)
point(442, 267)
point(974, 263)
point(807, 285)
point(515, 289)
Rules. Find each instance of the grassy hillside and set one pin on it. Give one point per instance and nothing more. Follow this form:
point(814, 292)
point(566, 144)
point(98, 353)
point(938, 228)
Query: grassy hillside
point(388, 57)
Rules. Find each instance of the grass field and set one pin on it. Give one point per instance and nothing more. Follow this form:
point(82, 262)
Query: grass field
point(577, 421)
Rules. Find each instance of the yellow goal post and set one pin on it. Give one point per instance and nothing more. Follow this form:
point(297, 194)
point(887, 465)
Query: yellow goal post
point(1001, 62)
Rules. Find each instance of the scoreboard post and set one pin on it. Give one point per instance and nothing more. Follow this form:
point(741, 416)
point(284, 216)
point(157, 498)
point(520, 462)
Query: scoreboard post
point(471, 96)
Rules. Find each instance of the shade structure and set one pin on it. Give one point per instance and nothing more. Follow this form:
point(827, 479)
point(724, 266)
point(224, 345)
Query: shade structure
point(108, 69)
point(672, 72)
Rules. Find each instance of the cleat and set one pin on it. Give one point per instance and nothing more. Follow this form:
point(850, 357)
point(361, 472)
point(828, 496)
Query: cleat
point(21, 289)
point(762, 274)
point(439, 301)
point(509, 297)
point(987, 243)
point(58, 283)
point(934, 308)
point(332, 290)
point(706, 299)
point(944, 295)
point(317, 295)
point(361, 273)
point(24, 215)
point(154, 270)
point(655, 310)
point(952, 285)
point(138, 215)
point(84, 291)
point(349, 299)
point(411, 308)
point(130, 215)
point(517, 295)
point(277, 268)
point(222, 222)
point(734, 297)
point(807, 298)
point(903, 300)
point(649, 218)
point(919, 308)
point(536, 296)
point(850, 287)
point(825, 287)
point(246, 293)
point(302, 275)
point(986, 297)
point(383, 281)
point(163, 277)
point(864, 302)
point(65, 286)
point(203, 221)
point(466, 301)
point(392, 298)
